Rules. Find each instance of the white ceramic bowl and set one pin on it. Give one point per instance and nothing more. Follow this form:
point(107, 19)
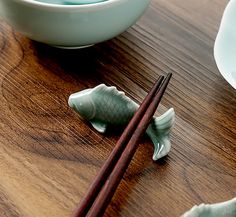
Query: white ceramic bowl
point(71, 26)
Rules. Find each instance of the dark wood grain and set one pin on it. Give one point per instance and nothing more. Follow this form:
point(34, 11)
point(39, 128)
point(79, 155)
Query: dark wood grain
point(49, 156)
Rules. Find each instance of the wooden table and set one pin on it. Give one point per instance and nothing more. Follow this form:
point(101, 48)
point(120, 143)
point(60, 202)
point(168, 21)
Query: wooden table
point(49, 155)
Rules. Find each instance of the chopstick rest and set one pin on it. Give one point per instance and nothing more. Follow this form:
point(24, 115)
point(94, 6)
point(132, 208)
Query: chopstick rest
point(105, 106)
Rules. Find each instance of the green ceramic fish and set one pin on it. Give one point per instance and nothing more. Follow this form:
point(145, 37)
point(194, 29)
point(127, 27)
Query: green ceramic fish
point(106, 106)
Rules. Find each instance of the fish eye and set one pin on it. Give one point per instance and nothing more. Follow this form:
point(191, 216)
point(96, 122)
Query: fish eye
point(86, 109)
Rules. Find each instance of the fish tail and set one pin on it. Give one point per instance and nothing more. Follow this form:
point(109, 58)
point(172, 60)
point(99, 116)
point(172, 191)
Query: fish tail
point(159, 132)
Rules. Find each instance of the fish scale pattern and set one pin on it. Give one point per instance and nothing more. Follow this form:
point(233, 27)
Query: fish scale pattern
point(108, 110)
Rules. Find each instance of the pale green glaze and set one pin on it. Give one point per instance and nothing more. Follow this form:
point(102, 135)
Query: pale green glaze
point(71, 26)
point(71, 2)
point(225, 44)
point(80, 2)
point(224, 209)
point(106, 106)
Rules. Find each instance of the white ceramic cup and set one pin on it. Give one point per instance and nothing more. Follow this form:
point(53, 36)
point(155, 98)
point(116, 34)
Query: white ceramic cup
point(225, 44)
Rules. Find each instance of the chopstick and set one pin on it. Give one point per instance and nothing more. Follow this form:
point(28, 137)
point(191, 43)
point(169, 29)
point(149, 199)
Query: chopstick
point(104, 185)
point(109, 164)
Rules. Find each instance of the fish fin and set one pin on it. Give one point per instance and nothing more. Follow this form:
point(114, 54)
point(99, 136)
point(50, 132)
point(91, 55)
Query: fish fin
point(99, 88)
point(104, 90)
point(159, 133)
point(161, 147)
point(99, 126)
point(165, 122)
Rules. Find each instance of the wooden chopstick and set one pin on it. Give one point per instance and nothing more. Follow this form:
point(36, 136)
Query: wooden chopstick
point(116, 175)
point(117, 162)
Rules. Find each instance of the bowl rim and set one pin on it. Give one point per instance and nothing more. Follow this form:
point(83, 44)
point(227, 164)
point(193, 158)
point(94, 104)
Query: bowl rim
point(59, 6)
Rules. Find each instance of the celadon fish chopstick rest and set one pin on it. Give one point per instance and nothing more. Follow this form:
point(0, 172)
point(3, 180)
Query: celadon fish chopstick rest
point(223, 209)
point(105, 106)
